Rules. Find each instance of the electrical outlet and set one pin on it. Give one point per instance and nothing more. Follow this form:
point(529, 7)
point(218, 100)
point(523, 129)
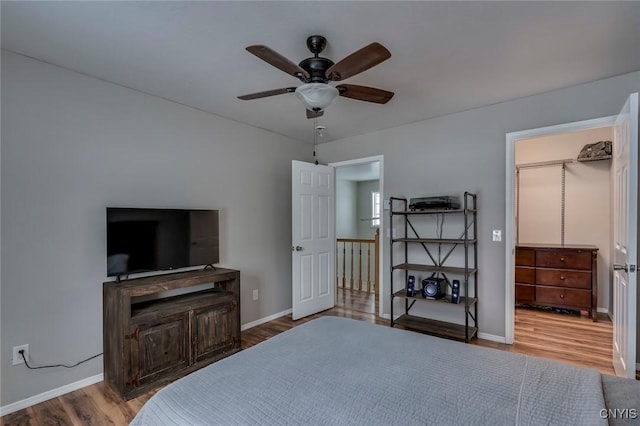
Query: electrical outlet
point(17, 358)
point(497, 235)
point(255, 294)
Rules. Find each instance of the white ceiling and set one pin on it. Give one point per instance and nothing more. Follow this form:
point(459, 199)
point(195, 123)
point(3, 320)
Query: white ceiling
point(446, 56)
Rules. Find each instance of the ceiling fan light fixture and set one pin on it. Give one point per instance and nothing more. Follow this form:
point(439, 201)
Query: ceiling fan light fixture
point(316, 96)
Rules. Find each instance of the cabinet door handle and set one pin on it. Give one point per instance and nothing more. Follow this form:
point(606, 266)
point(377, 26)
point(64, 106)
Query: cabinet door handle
point(562, 259)
point(561, 296)
point(562, 277)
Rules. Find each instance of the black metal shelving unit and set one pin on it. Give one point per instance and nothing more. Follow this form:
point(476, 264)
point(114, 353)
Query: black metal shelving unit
point(436, 264)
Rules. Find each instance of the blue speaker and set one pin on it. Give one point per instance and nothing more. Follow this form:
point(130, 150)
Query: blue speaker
point(411, 285)
point(455, 291)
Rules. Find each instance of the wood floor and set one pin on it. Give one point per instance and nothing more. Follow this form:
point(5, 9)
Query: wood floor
point(566, 338)
point(357, 300)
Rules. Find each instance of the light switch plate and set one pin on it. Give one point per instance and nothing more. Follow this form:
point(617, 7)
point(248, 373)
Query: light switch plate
point(497, 235)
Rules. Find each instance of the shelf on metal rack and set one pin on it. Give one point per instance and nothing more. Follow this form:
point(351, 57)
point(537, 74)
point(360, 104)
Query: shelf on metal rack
point(435, 240)
point(432, 211)
point(446, 299)
point(434, 268)
point(445, 329)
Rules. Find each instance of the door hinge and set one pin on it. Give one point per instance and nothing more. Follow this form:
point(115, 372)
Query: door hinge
point(632, 268)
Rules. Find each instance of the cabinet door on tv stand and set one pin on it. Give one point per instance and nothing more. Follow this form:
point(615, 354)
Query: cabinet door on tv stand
point(216, 329)
point(159, 349)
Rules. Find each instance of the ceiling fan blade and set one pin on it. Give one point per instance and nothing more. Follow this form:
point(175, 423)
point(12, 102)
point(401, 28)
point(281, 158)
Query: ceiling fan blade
point(267, 93)
point(314, 114)
point(277, 60)
point(365, 93)
point(361, 60)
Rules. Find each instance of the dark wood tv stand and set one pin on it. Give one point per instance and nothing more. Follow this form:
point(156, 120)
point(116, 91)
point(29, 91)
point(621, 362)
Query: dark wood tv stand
point(151, 338)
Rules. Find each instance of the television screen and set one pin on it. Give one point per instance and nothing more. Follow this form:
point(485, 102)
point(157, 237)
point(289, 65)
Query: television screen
point(142, 240)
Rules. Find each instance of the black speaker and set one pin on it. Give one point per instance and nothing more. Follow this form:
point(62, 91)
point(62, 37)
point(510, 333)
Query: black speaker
point(455, 291)
point(434, 288)
point(411, 285)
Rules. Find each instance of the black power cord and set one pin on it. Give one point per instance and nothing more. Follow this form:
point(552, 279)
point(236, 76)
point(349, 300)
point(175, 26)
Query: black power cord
point(21, 352)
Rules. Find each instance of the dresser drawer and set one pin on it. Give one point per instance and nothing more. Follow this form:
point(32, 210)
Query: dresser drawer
point(563, 297)
point(564, 278)
point(564, 259)
point(525, 257)
point(525, 293)
point(525, 275)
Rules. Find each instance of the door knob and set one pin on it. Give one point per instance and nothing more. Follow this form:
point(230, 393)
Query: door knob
point(617, 267)
point(296, 248)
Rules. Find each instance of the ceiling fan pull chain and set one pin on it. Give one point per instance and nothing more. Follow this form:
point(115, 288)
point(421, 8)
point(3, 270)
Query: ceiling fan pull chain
point(315, 138)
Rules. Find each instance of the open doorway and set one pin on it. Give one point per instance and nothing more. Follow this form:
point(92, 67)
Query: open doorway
point(558, 294)
point(359, 221)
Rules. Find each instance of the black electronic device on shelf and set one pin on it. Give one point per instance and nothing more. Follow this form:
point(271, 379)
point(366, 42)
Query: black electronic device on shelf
point(434, 288)
point(447, 202)
point(455, 291)
point(411, 285)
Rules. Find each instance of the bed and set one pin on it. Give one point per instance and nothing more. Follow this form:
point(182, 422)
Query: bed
point(334, 371)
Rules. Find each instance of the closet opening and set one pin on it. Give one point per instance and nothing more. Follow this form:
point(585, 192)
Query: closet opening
point(563, 233)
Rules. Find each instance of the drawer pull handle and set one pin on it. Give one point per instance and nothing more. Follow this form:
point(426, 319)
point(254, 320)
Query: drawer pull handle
point(562, 277)
point(562, 259)
point(561, 296)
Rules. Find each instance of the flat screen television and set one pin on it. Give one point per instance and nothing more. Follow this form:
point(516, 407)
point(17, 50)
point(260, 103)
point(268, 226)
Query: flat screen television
point(144, 240)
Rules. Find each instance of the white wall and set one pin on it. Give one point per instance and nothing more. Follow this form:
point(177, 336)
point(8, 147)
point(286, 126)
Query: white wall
point(587, 197)
point(346, 208)
point(73, 145)
point(365, 188)
point(466, 151)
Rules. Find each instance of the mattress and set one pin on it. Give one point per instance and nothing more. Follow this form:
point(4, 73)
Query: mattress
point(333, 371)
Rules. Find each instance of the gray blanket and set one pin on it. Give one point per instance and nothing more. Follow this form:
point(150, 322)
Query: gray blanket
point(334, 371)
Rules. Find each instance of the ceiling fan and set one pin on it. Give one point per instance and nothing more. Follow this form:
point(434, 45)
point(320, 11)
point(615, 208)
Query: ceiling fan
point(316, 72)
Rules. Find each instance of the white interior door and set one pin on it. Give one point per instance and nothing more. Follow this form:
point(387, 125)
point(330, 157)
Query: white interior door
point(625, 163)
point(312, 238)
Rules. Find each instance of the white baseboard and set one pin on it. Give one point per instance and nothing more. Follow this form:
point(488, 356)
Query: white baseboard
point(263, 320)
point(491, 337)
point(53, 393)
point(603, 310)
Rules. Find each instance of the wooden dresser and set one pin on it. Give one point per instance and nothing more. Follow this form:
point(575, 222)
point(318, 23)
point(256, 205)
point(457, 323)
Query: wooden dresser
point(561, 276)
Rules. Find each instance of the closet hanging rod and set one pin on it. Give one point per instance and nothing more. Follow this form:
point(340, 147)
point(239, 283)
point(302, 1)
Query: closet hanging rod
point(545, 163)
